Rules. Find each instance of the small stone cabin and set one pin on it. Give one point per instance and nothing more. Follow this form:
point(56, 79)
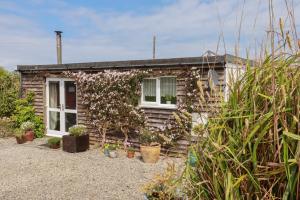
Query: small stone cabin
point(57, 102)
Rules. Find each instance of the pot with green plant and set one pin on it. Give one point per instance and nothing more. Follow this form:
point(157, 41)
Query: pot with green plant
point(20, 137)
point(77, 140)
point(106, 149)
point(130, 152)
point(113, 153)
point(28, 129)
point(54, 142)
point(168, 99)
point(150, 147)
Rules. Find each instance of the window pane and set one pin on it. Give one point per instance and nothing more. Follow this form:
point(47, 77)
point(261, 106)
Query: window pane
point(70, 120)
point(168, 90)
point(54, 120)
point(54, 94)
point(149, 90)
point(70, 95)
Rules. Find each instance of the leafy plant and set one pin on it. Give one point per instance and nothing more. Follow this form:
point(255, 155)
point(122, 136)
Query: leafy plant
point(24, 112)
point(77, 130)
point(54, 141)
point(6, 127)
point(113, 147)
point(9, 91)
point(19, 133)
point(27, 126)
point(168, 98)
point(149, 137)
point(130, 149)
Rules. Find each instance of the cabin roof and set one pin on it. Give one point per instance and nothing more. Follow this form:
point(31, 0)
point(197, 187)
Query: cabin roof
point(149, 63)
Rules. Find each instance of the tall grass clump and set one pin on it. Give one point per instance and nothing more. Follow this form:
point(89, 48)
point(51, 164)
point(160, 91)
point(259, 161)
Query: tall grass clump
point(250, 149)
point(244, 155)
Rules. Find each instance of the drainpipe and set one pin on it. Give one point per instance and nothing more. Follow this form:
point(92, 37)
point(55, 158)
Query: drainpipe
point(58, 47)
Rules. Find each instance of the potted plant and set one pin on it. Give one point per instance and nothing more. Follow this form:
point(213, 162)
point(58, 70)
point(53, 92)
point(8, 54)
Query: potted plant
point(150, 146)
point(168, 99)
point(106, 150)
point(130, 152)
point(20, 137)
point(54, 142)
point(77, 140)
point(113, 150)
point(27, 128)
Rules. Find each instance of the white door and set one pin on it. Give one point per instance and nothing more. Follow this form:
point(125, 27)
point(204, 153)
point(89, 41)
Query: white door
point(61, 106)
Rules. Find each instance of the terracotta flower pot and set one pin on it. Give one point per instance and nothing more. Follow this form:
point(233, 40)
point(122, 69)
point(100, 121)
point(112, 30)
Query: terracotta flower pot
point(29, 135)
point(150, 154)
point(130, 154)
point(21, 140)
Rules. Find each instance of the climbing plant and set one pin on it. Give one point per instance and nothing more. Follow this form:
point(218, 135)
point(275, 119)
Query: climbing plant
point(111, 98)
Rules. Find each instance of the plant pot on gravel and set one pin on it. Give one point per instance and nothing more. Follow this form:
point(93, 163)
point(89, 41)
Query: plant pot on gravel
point(150, 147)
point(113, 153)
point(77, 141)
point(130, 152)
point(20, 137)
point(27, 128)
point(54, 143)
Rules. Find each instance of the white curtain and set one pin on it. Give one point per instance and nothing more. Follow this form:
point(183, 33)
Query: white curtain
point(54, 120)
point(149, 88)
point(54, 94)
point(168, 86)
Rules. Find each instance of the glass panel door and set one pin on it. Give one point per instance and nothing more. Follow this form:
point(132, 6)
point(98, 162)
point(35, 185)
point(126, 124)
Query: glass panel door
point(61, 106)
point(70, 104)
point(54, 105)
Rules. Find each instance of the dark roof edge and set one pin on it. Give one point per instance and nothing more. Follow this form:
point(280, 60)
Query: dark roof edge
point(204, 60)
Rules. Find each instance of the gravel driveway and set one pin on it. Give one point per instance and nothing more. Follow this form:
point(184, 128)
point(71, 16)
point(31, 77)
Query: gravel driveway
point(33, 171)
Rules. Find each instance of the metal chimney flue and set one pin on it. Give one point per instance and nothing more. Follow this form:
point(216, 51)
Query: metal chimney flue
point(58, 47)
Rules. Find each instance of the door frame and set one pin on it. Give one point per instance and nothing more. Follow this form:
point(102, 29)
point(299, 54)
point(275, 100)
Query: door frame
point(61, 109)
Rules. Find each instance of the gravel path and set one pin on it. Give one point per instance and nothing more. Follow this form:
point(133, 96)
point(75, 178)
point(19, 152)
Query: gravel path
point(33, 171)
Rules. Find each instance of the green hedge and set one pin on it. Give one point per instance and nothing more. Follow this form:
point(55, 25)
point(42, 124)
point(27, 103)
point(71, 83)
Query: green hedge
point(9, 89)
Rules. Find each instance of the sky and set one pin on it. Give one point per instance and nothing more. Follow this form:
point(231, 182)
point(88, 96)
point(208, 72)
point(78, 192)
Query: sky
point(107, 30)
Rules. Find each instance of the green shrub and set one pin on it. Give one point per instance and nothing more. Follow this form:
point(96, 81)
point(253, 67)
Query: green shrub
point(9, 89)
point(19, 133)
point(25, 112)
point(77, 130)
point(6, 127)
point(54, 141)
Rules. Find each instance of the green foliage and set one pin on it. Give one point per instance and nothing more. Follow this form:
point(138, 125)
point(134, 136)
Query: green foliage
point(6, 127)
point(19, 133)
point(24, 112)
point(9, 89)
point(77, 130)
point(252, 149)
point(148, 137)
point(54, 141)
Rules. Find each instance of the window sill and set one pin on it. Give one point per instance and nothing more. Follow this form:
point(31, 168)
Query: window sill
point(162, 106)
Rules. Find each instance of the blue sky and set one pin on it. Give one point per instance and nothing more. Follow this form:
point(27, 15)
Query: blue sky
point(101, 30)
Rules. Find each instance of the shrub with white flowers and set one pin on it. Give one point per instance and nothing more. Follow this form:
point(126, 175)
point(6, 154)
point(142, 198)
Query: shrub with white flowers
point(111, 98)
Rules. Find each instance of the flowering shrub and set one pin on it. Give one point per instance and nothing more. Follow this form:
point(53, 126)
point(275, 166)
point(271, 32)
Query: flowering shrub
point(111, 98)
point(77, 130)
point(27, 126)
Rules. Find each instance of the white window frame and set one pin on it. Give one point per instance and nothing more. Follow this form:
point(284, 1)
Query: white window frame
point(157, 104)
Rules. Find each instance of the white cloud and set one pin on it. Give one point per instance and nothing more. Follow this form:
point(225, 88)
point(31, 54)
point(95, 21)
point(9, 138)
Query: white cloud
point(183, 28)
